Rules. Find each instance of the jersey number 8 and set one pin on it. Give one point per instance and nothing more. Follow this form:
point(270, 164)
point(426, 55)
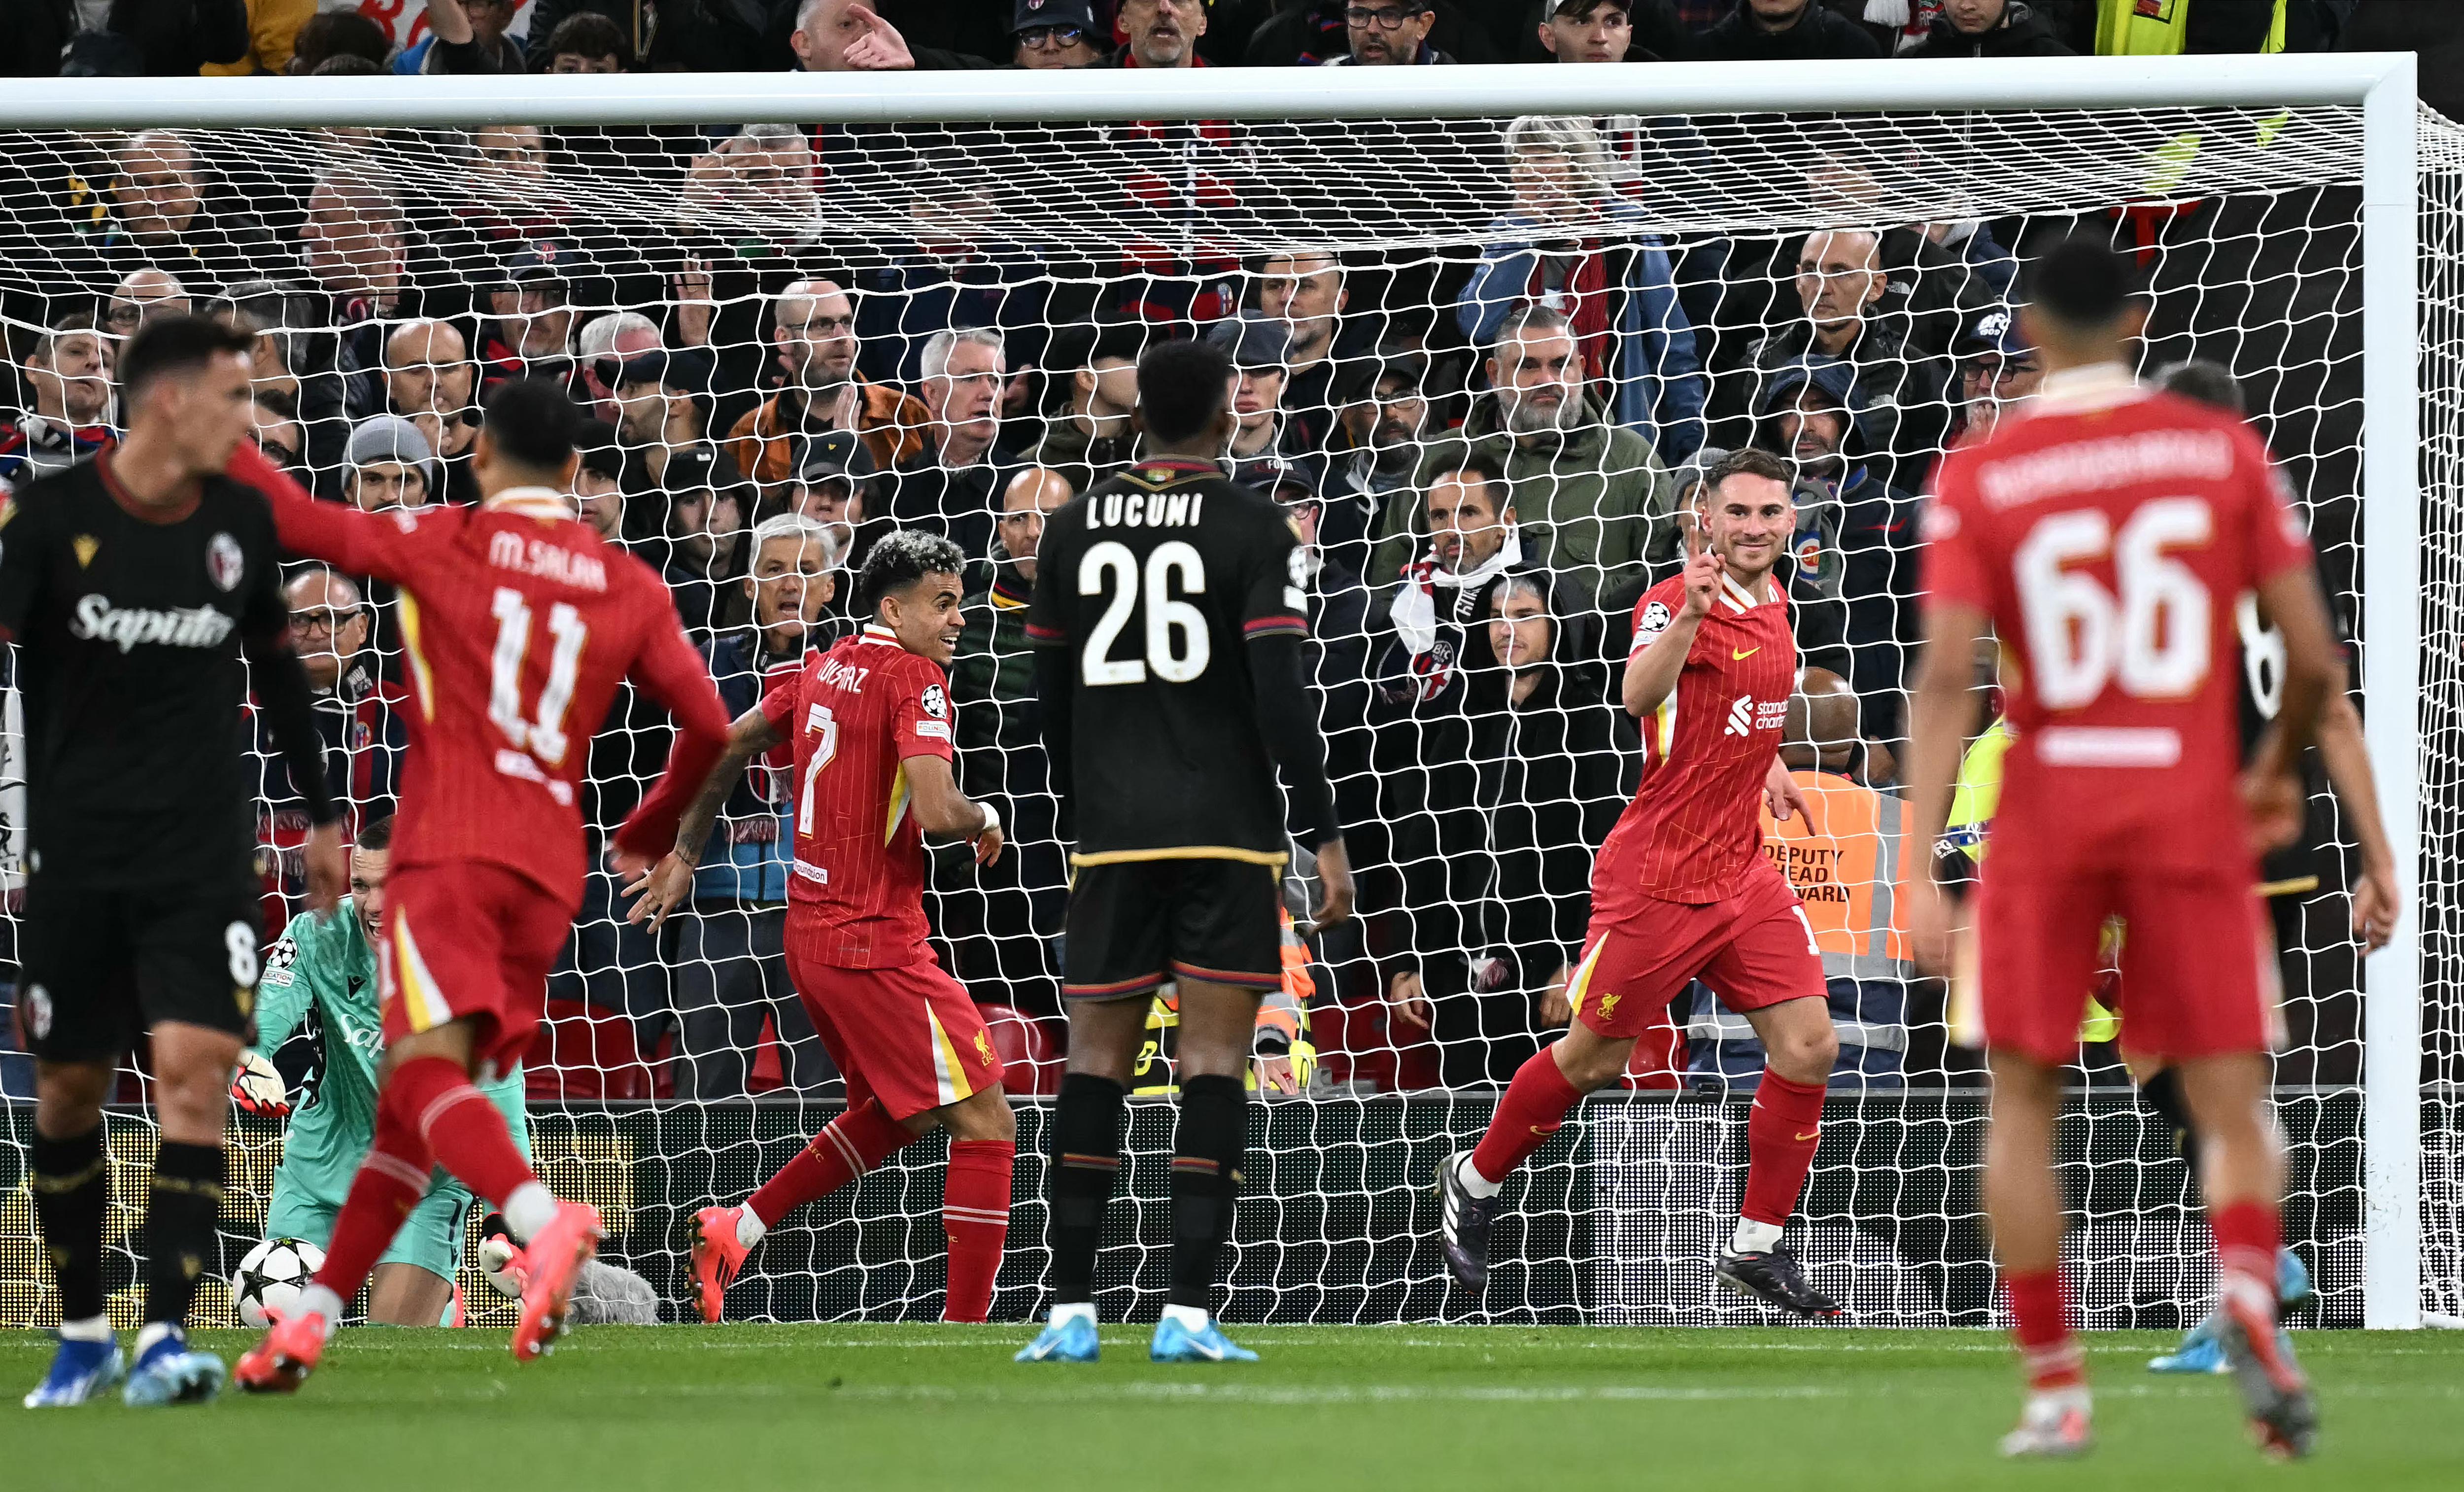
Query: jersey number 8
point(2150, 632)
point(1178, 647)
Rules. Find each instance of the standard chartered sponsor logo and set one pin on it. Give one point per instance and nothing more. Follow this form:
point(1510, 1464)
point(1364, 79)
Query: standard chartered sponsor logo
point(196, 626)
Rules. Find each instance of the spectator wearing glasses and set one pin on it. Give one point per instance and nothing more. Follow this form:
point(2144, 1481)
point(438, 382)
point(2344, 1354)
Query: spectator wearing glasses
point(1571, 245)
point(141, 295)
point(67, 375)
point(731, 958)
point(357, 720)
point(813, 345)
point(1000, 918)
point(529, 317)
point(469, 36)
point(1376, 453)
point(1998, 369)
point(1388, 34)
point(1315, 33)
point(1051, 35)
point(159, 209)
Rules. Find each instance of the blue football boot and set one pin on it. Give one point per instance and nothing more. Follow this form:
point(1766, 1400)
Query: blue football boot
point(80, 1371)
point(1071, 1341)
point(169, 1372)
point(1175, 1343)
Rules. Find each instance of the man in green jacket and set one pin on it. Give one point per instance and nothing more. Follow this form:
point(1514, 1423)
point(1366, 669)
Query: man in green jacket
point(1590, 499)
point(331, 966)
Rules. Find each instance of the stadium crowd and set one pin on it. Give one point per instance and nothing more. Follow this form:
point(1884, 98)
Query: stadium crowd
point(1488, 449)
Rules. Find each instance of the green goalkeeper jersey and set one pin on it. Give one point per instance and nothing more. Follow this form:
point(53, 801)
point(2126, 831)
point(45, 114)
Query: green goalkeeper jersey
point(328, 965)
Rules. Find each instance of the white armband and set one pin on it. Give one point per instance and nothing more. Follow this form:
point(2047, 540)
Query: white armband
point(992, 819)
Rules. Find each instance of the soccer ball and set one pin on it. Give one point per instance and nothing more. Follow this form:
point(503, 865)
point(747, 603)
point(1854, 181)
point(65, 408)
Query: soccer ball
point(271, 1277)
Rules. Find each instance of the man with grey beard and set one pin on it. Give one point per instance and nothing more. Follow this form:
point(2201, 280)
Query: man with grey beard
point(1593, 501)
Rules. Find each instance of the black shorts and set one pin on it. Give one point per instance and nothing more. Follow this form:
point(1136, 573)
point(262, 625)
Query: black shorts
point(99, 965)
point(1134, 924)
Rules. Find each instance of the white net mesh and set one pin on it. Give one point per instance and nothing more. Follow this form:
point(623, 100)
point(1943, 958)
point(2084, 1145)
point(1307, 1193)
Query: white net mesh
point(757, 313)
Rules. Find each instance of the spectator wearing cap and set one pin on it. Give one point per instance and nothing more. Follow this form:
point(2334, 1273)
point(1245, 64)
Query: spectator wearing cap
point(700, 545)
point(605, 344)
point(1861, 552)
point(1595, 501)
point(389, 464)
point(657, 415)
point(954, 489)
point(1001, 920)
point(731, 956)
point(469, 36)
point(141, 295)
point(834, 474)
point(1095, 436)
point(1376, 454)
point(1304, 291)
point(1998, 369)
point(1938, 278)
point(429, 381)
point(1989, 29)
point(1782, 31)
point(69, 417)
point(1259, 349)
point(1570, 244)
point(1605, 30)
point(1047, 35)
point(160, 207)
point(1315, 33)
point(1388, 34)
point(1898, 396)
point(813, 343)
point(529, 326)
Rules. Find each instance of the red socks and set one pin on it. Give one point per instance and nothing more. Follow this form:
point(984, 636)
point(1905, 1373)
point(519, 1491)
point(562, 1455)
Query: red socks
point(1781, 1132)
point(854, 1143)
point(458, 1125)
point(975, 1213)
point(2248, 1236)
point(1534, 1107)
point(389, 1184)
point(2040, 1323)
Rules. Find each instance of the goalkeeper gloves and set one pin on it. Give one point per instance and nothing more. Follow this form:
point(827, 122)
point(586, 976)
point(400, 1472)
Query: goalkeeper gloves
point(256, 1089)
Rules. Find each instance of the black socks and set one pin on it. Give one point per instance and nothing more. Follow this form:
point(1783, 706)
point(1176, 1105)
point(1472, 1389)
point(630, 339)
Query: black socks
point(1085, 1164)
point(71, 1179)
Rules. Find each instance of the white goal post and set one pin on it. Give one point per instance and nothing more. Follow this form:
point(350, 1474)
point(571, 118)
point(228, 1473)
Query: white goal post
point(2364, 130)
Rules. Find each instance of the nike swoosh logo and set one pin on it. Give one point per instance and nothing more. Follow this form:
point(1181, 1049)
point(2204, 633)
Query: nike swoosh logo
point(1735, 654)
point(1810, 1136)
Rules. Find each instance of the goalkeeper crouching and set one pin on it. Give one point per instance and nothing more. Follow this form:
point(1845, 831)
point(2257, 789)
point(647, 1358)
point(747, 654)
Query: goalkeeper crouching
point(330, 965)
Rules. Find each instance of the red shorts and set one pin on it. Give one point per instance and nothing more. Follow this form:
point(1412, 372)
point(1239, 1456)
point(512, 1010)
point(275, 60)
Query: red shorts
point(1754, 949)
point(470, 940)
point(908, 1036)
point(2196, 957)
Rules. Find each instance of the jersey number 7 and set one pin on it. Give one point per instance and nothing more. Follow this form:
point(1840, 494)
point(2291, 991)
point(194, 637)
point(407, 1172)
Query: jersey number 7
point(542, 733)
point(825, 750)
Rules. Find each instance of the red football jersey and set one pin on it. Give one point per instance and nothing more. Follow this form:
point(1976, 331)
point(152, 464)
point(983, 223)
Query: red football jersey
point(1695, 825)
point(2108, 531)
point(854, 714)
point(518, 622)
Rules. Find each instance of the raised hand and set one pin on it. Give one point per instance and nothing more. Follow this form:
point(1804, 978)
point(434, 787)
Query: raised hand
point(880, 49)
point(1703, 571)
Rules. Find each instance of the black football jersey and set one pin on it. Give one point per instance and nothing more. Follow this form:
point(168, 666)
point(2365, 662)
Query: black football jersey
point(128, 632)
point(1154, 580)
point(2261, 693)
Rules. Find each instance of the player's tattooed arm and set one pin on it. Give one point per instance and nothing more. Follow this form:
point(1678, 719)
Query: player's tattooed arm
point(945, 813)
point(660, 889)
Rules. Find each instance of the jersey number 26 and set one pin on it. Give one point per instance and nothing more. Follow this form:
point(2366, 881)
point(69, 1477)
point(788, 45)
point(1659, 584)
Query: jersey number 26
point(2149, 633)
point(1178, 645)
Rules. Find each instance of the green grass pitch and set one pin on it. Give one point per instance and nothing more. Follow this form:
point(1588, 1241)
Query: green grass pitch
point(735, 1408)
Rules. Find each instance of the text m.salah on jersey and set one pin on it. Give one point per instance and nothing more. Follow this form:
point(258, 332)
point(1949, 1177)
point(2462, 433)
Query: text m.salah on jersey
point(98, 620)
point(548, 562)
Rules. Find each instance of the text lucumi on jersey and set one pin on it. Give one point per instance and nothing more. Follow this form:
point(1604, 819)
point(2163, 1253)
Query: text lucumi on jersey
point(1144, 510)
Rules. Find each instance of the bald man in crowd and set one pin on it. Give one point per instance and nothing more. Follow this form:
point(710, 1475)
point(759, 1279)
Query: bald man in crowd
point(429, 380)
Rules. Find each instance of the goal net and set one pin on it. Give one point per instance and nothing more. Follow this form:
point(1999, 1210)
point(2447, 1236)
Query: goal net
point(1484, 355)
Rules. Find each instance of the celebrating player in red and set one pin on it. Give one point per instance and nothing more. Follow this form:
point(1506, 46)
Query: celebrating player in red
point(518, 622)
point(2105, 533)
point(870, 725)
point(1682, 891)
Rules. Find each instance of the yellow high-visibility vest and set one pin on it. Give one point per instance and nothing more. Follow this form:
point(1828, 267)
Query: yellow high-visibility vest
point(2154, 28)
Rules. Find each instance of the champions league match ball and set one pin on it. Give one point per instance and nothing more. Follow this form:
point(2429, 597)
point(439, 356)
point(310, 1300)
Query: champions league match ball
point(271, 1277)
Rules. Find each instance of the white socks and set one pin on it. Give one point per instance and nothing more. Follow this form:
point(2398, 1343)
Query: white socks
point(750, 1229)
point(1755, 1238)
point(1473, 1181)
point(1191, 1318)
point(154, 1331)
point(94, 1328)
point(1085, 1311)
point(531, 1208)
point(320, 1300)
